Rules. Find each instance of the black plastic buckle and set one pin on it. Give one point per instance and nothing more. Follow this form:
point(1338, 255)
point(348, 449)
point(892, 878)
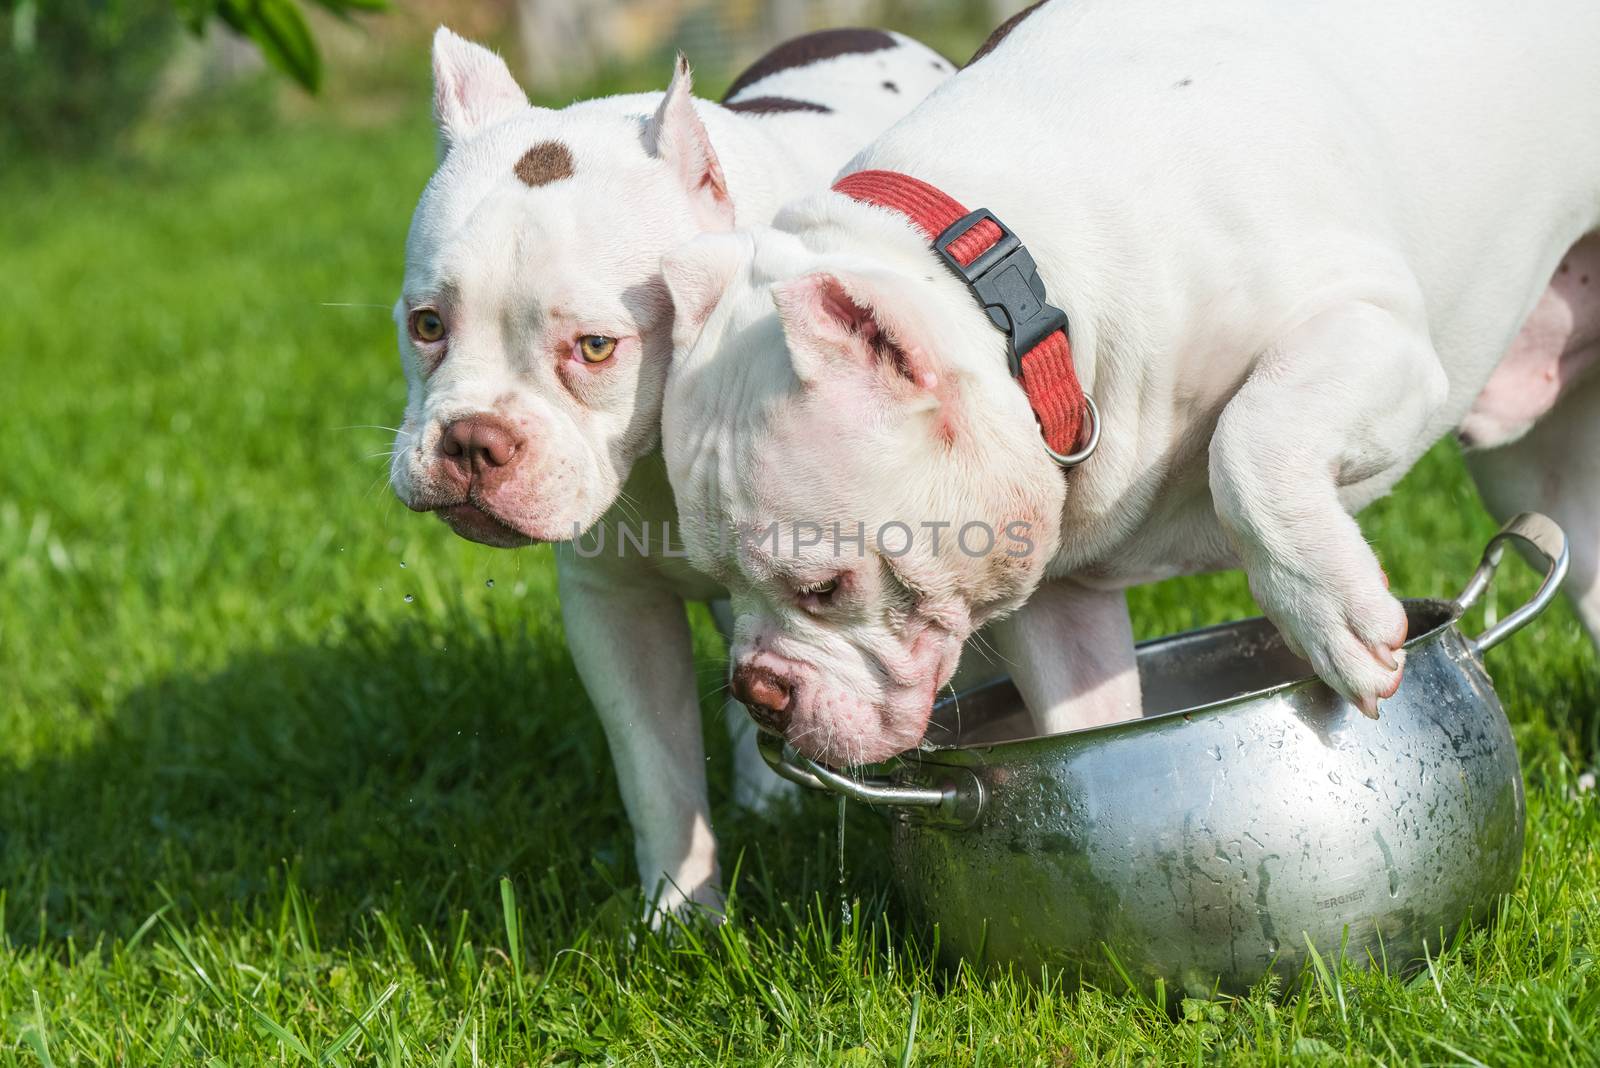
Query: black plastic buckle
point(1006, 282)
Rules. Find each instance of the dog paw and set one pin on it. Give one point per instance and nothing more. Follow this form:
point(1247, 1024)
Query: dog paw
point(1347, 626)
point(671, 905)
point(629, 915)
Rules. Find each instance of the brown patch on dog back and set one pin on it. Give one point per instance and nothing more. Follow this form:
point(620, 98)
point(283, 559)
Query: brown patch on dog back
point(545, 162)
point(812, 48)
point(1002, 31)
point(773, 105)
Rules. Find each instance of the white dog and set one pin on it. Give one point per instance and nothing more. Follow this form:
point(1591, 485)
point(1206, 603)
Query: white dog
point(1296, 242)
point(535, 331)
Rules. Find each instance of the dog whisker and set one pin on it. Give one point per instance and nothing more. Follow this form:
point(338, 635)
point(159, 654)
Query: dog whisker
point(988, 648)
point(955, 699)
point(378, 483)
point(630, 508)
point(407, 434)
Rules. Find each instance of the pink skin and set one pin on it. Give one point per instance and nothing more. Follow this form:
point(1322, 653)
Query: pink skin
point(1556, 347)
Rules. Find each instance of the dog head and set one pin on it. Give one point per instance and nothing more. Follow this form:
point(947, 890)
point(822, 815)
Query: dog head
point(534, 328)
point(852, 459)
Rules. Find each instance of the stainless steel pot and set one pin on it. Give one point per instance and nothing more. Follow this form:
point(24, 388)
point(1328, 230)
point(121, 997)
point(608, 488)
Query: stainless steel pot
point(1250, 813)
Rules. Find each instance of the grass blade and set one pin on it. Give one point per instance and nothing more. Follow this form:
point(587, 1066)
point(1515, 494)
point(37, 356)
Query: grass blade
point(35, 1036)
point(348, 1035)
point(453, 1050)
point(144, 928)
point(277, 1031)
point(911, 1032)
point(508, 906)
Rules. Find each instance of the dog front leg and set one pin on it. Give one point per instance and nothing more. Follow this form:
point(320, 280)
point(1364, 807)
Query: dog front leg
point(1328, 417)
point(1070, 652)
point(631, 643)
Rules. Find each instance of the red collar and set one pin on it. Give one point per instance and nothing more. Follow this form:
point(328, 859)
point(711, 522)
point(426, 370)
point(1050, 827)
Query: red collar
point(1001, 274)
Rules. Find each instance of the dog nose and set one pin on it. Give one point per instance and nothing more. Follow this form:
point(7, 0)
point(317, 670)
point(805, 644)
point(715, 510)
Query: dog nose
point(765, 693)
point(479, 442)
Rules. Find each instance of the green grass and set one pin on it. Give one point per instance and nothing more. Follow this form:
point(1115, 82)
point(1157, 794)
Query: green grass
point(284, 780)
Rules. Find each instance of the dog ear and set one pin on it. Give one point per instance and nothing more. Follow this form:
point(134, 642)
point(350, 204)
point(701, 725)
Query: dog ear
point(676, 136)
point(697, 275)
point(829, 317)
point(471, 89)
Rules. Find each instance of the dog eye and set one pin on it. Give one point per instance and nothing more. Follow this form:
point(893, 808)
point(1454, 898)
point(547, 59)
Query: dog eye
point(818, 592)
point(426, 326)
point(596, 349)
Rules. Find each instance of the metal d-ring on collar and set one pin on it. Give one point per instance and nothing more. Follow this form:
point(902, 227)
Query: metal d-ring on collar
point(1091, 412)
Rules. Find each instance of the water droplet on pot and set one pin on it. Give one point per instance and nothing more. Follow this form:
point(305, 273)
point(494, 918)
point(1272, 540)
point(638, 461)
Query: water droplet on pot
point(409, 598)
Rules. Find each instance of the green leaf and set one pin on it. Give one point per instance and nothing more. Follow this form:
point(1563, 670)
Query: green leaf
point(278, 27)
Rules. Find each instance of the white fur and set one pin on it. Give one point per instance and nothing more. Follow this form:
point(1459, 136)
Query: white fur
point(1294, 238)
point(519, 273)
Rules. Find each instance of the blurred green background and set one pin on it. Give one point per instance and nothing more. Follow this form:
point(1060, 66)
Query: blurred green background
point(80, 73)
point(269, 742)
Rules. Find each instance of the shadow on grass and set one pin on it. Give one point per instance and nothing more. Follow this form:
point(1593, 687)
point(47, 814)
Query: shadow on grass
point(392, 769)
point(405, 767)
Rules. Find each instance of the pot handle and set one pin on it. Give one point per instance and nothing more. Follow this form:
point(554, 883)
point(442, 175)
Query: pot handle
point(958, 800)
point(1548, 541)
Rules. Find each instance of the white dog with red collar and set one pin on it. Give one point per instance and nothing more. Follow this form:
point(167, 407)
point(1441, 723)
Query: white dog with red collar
point(1295, 243)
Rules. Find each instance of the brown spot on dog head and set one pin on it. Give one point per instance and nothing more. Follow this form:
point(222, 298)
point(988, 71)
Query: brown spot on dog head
point(545, 162)
point(1002, 31)
point(812, 48)
point(772, 105)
